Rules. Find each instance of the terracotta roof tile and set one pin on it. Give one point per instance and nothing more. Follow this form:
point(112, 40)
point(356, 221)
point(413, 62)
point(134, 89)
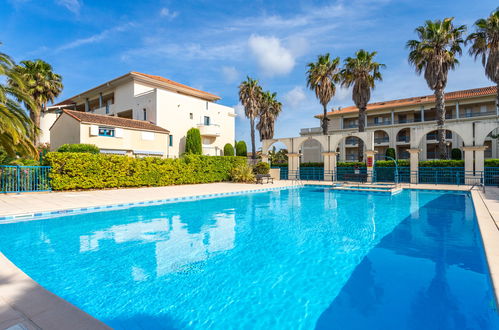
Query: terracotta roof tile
point(475, 92)
point(168, 81)
point(92, 118)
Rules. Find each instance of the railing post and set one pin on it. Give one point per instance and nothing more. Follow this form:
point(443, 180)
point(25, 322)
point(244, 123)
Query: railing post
point(18, 179)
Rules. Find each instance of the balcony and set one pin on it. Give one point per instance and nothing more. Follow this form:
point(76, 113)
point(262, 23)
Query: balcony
point(403, 138)
point(381, 140)
point(379, 123)
point(211, 130)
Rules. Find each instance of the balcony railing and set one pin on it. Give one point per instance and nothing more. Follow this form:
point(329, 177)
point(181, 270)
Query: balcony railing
point(350, 125)
point(403, 138)
point(380, 140)
point(477, 114)
point(351, 141)
point(311, 131)
point(381, 123)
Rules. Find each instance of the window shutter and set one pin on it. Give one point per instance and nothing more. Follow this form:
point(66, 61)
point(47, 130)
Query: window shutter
point(118, 132)
point(94, 130)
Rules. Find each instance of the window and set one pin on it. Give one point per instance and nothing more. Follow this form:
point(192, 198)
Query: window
point(206, 120)
point(106, 131)
point(145, 114)
point(170, 140)
point(191, 116)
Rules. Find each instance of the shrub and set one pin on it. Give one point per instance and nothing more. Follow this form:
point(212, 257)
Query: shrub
point(193, 142)
point(351, 164)
point(455, 154)
point(90, 148)
point(390, 152)
point(242, 173)
point(261, 168)
point(228, 150)
point(441, 163)
point(241, 149)
point(311, 164)
point(391, 163)
point(492, 162)
point(98, 171)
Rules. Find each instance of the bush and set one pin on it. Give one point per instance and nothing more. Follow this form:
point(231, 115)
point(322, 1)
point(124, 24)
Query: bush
point(351, 164)
point(241, 149)
point(228, 150)
point(242, 173)
point(90, 148)
point(391, 163)
point(441, 163)
point(193, 142)
point(492, 162)
point(455, 154)
point(311, 164)
point(98, 171)
point(390, 152)
point(261, 168)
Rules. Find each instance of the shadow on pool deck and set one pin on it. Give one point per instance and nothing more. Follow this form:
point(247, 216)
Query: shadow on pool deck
point(424, 275)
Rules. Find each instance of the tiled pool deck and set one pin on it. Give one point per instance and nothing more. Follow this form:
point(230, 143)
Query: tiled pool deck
point(23, 301)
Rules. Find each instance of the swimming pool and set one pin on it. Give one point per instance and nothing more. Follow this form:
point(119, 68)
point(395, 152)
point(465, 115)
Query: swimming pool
point(290, 259)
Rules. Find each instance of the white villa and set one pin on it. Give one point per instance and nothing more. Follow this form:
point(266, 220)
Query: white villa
point(142, 97)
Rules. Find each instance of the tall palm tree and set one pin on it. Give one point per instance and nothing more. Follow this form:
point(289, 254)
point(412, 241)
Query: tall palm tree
point(434, 54)
point(42, 84)
point(322, 77)
point(250, 94)
point(361, 72)
point(270, 108)
point(15, 126)
point(485, 43)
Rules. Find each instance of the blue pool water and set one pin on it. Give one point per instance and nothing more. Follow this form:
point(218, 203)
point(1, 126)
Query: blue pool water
point(291, 259)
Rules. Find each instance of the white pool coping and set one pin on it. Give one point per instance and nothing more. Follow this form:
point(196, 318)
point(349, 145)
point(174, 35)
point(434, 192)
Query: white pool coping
point(23, 301)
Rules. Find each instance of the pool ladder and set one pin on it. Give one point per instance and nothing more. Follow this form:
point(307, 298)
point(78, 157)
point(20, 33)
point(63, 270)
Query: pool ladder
point(479, 185)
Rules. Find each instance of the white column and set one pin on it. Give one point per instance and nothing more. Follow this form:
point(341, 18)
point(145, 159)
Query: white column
point(392, 118)
point(414, 161)
point(457, 110)
point(422, 113)
point(100, 100)
point(369, 153)
point(479, 159)
point(87, 105)
point(468, 160)
point(293, 166)
point(329, 165)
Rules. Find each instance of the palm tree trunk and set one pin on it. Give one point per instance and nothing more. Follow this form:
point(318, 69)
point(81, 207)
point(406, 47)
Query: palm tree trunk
point(324, 121)
point(253, 150)
point(497, 99)
point(35, 118)
point(440, 105)
point(362, 128)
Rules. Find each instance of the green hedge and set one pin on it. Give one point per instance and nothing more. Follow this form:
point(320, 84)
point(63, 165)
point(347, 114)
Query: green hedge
point(97, 171)
point(79, 147)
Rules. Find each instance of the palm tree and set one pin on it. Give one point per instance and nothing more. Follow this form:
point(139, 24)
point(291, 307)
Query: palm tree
point(250, 94)
point(15, 126)
point(42, 84)
point(269, 110)
point(485, 43)
point(435, 53)
point(321, 78)
point(361, 72)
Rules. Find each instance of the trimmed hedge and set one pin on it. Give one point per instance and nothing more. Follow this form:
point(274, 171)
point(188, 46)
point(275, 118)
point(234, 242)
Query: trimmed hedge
point(79, 147)
point(193, 142)
point(228, 150)
point(97, 171)
point(241, 149)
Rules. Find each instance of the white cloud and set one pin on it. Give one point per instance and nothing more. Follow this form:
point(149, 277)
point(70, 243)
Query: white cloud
point(295, 97)
point(272, 57)
point(95, 38)
point(239, 109)
point(230, 73)
point(71, 5)
point(165, 12)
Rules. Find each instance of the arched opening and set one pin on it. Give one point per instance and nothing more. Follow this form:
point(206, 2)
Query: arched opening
point(491, 142)
point(429, 145)
point(311, 160)
point(278, 158)
point(348, 154)
point(403, 143)
point(349, 149)
point(381, 144)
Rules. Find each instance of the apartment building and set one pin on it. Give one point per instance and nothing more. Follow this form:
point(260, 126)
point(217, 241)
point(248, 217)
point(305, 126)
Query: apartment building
point(391, 121)
point(159, 101)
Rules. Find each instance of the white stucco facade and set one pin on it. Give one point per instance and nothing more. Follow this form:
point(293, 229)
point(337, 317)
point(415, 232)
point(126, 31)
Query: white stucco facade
point(167, 104)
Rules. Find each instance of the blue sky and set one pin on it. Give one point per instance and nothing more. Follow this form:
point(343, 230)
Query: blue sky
point(213, 45)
